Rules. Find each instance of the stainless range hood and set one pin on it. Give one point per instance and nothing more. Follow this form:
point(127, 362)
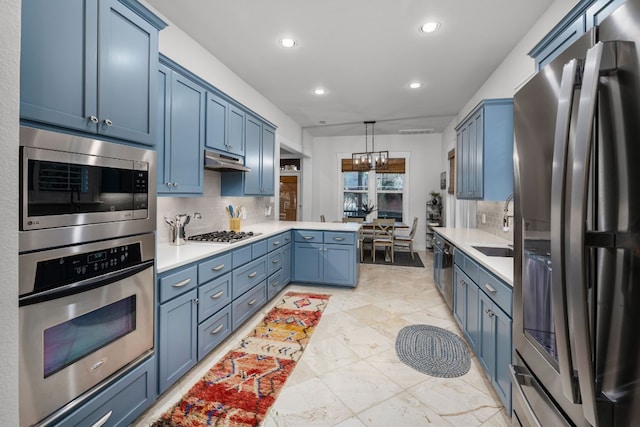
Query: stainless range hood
point(223, 163)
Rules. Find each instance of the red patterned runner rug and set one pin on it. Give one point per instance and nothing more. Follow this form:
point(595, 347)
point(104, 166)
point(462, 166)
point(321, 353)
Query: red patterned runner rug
point(240, 388)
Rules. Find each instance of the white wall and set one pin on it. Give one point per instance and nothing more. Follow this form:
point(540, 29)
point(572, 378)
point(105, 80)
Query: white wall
point(423, 169)
point(514, 70)
point(9, 114)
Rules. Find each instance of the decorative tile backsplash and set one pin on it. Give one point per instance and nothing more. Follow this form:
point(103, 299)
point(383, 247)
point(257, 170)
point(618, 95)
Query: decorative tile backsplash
point(489, 216)
point(212, 208)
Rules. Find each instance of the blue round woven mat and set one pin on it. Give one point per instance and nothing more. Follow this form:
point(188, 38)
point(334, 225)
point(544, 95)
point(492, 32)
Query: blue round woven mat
point(433, 351)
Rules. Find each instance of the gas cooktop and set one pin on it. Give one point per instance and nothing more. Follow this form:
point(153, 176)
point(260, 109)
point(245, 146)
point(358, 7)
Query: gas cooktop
point(222, 236)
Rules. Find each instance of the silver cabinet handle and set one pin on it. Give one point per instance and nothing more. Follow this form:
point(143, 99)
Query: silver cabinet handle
point(218, 295)
point(275, 261)
point(93, 119)
point(339, 239)
point(108, 122)
point(490, 288)
point(308, 237)
point(252, 275)
point(276, 283)
point(287, 238)
point(181, 284)
point(218, 267)
point(276, 243)
point(253, 301)
point(102, 421)
point(218, 329)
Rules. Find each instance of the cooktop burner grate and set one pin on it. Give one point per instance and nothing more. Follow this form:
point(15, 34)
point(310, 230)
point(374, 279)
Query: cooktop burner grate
point(222, 236)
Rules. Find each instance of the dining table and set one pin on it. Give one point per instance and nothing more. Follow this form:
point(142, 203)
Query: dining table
point(370, 225)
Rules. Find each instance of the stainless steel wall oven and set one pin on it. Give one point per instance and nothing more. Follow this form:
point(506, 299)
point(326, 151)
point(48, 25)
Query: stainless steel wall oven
point(86, 266)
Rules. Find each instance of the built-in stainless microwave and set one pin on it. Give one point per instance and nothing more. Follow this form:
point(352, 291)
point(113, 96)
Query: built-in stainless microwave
point(75, 189)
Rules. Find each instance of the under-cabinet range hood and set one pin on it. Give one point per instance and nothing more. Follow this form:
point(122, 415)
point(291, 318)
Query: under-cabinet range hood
point(223, 163)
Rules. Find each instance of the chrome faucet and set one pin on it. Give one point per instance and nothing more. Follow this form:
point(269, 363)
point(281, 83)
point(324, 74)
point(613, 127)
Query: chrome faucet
point(506, 216)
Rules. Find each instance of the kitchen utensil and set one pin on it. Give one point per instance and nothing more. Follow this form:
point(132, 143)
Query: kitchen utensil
point(231, 211)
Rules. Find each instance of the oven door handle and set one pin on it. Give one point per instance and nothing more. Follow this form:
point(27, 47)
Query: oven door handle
point(85, 285)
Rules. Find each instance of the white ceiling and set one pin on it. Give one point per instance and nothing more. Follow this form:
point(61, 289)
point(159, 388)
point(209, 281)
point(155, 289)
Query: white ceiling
point(363, 52)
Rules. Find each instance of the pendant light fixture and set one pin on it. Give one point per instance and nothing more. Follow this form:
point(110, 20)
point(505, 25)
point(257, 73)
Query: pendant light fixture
point(370, 160)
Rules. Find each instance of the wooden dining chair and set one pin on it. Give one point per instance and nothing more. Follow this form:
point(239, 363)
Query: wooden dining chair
point(405, 242)
point(383, 237)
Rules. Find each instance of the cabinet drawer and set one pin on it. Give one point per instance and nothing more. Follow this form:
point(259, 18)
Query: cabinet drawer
point(248, 304)
point(308, 236)
point(213, 268)
point(278, 241)
point(246, 277)
point(258, 249)
point(466, 264)
point(178, 283)
point(125, 399)
point(213, 296)
point(213, 331)
point(274, 285)
point(340, 238)
point(275, 262)
point(497, 290)
point(241, 256)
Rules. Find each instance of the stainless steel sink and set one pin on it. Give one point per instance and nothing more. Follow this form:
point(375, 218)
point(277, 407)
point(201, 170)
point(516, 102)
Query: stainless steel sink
point(499, 251)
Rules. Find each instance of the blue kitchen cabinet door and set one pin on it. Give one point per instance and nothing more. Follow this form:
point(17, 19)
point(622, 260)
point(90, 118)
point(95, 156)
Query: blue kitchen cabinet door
point(216, 123)
point(459, 298)
point(501, 380)
point(267, 158)
point(472, 326)
point(235, 135)
point(339, 264)
point(164, 123)
point(253, 155)
point(286, 263)
point(485, 346)
point(308, 262)
point(183, 170)
point(178, 345)
point(72, 74)
point(437, 266)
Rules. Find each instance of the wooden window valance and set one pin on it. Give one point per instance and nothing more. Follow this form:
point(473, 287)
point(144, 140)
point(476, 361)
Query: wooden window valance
point(395, 166)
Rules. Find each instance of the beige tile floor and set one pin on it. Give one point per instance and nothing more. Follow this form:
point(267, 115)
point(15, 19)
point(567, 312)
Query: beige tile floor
point(349, 375)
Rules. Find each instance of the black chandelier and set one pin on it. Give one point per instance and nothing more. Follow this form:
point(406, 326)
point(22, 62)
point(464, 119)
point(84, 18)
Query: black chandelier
point(370, 160)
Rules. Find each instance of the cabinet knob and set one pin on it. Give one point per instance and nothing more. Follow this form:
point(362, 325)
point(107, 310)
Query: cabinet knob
point(175, 184)
point(108, 122)
point(168, 184)
point(93, 119)
point(196, 301)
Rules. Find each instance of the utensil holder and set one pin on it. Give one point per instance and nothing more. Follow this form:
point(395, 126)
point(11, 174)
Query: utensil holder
point(176, 235)
point(234, 224)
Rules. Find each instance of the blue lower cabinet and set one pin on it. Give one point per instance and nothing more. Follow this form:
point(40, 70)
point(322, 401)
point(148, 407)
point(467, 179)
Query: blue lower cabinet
point(339, 261)
point(286, 264)
point(212, 331)
point(328, 258)
point(177, 346)
point(121, 402)
point(308, 262)
point(484, 315)
point(248, 304)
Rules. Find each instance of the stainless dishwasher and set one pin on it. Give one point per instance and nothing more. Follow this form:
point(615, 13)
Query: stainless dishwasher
point(443, 269)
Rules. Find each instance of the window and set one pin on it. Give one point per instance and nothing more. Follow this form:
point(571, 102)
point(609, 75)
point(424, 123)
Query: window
point(387, 194)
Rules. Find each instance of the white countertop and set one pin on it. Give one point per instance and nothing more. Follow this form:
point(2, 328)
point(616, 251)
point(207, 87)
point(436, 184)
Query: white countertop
point(169, 256)
point(464, 238)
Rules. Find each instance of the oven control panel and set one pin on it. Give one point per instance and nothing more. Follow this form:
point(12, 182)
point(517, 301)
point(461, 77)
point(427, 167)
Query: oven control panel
point(61, 271)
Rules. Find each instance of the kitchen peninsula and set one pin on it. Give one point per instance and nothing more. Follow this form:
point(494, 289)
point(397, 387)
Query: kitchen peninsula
point(205, 291)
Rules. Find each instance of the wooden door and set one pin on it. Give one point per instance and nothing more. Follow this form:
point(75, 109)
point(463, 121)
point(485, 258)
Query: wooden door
point(288, 198)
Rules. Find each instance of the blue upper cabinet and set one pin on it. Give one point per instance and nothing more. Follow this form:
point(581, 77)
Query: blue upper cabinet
point(72, 72)
point(584, 16)
point(225, 126)
point(484, 160)
point(259, 143)
point(182, 128)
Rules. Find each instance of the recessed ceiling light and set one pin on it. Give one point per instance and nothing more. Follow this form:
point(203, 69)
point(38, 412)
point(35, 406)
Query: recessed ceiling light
point(319, 91)
point(430, 27)
point(415, 85)
point(288, 42)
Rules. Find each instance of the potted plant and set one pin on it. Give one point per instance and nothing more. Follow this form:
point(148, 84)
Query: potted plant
point(368, 210)
point(435, 198)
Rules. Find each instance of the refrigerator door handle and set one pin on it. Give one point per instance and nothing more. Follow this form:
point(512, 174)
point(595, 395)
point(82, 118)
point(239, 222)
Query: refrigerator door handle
point(558, 197)
point(598, 60)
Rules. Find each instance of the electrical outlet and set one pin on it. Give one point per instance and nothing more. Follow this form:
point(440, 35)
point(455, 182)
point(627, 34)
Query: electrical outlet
point(484, 218)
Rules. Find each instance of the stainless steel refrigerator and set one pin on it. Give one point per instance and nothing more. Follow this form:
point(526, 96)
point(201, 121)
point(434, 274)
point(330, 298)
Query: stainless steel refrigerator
point(577, 233)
